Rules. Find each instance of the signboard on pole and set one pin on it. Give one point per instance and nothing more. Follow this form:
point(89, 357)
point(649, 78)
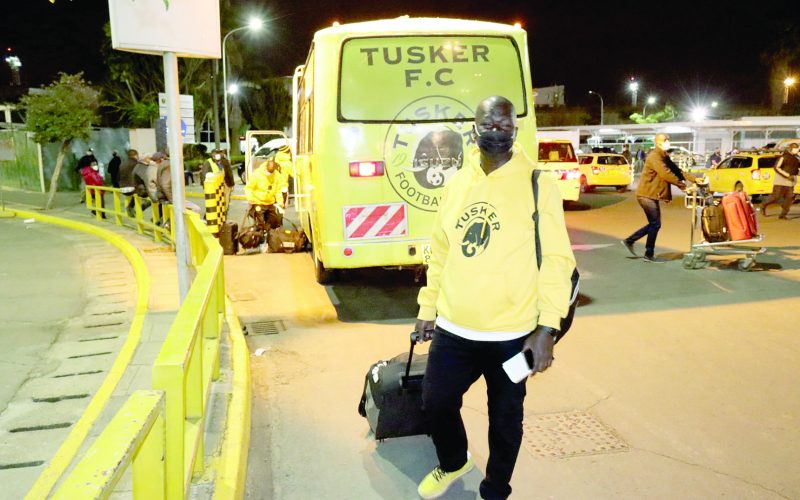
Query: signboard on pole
point(189, 28)
point(187, 115)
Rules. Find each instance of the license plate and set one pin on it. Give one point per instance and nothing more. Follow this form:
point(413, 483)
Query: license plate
point(426, 253)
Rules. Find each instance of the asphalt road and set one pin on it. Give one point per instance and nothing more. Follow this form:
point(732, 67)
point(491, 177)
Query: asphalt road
point(692, 371)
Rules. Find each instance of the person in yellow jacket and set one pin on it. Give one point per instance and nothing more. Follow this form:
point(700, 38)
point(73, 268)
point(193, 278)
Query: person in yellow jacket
point(284, 160)
point(263, 193)
point(486, 300)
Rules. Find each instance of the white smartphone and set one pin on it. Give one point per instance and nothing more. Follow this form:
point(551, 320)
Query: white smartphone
point(519, 367)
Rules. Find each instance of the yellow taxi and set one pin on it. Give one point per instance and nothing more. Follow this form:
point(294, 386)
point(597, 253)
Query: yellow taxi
point(604, 169)
point(557, 158)
point(748, 171)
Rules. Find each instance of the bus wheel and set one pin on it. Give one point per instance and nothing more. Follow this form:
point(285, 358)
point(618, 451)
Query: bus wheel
point(323, 276)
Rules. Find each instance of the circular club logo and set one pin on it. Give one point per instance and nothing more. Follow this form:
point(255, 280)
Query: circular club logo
point(477, 223)
point(421, 157)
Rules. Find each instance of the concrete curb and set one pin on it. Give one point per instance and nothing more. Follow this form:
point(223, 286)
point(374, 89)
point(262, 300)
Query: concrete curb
point(232, 466)
point(63, 457)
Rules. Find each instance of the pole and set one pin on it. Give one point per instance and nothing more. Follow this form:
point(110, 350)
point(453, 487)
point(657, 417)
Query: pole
point(175, 145)
point(215, 99)
point(601, 104)
point(225, 96)
point(225, 88)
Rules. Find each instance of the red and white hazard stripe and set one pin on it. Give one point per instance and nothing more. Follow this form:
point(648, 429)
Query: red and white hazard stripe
point(375, 221)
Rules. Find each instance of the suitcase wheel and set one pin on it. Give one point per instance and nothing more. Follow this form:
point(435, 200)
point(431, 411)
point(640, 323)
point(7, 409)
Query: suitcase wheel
point(694, 260)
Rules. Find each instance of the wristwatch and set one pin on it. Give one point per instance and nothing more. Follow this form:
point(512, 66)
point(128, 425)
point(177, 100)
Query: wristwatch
point(552, 331)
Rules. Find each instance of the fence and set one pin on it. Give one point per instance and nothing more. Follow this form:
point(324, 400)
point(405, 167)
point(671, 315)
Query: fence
point(161, 216)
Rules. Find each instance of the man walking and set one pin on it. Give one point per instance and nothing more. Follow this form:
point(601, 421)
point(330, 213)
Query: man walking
point(786, 170)
point(486, 300)
point(113, 168)
point(654, 186)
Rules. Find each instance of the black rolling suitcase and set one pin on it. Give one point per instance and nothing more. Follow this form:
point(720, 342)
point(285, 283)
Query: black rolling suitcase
point(713, 223)
point(227, 238)
point(392, 397)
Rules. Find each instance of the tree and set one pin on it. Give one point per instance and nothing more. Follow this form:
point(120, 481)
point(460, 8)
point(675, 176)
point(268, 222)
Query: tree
point(269, 105)
point(61, 112)
point(781, 57)
point(665, 115)
point(131, 91)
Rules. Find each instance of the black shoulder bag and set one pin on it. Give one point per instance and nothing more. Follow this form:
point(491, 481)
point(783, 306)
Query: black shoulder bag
point(566, 323)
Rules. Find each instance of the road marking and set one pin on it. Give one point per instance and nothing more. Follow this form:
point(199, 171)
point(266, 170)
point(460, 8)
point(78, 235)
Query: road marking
point(591, 247)
point(720, 286)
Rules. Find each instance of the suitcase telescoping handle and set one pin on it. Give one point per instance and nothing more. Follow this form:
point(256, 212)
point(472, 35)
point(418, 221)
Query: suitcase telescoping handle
point(415, 337)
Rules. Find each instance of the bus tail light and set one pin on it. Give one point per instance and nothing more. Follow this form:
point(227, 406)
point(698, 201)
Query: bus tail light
point(366, 168)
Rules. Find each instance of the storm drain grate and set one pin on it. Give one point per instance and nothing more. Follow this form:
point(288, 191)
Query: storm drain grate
point(272, 327)
point(41, 427)
point(96, 339)
point(21, 465)
point(56, 399)
point(101, 325)
point(569, 434)
point(88, 355)
point(76, 374)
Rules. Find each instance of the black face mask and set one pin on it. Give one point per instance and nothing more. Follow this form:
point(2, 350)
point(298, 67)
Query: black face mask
point(494, 142)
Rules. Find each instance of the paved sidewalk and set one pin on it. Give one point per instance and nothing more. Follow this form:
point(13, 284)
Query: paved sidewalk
point(161, 309)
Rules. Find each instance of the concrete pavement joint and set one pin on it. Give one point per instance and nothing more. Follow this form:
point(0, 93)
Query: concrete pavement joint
point(710, 469)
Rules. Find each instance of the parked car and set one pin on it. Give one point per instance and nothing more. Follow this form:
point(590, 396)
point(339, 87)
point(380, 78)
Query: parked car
point(748, 171)
point(604, 169)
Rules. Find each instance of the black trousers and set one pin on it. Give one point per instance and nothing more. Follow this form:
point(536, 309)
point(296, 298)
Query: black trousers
point(454, 364)
point(779, 192)
point(652, 210)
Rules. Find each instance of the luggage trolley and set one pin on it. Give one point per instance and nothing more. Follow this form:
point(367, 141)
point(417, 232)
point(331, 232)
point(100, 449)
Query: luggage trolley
point(697, 197)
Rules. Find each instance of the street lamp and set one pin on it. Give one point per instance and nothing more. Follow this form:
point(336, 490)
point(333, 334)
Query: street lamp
point(699, 114)
point(650, 100)
point(786, 84)
point(634, 88)
point(601, 104)
point(254, 24)
point(14, 64)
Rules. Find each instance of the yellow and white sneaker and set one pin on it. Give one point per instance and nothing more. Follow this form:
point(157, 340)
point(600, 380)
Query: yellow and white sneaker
point(436, 483)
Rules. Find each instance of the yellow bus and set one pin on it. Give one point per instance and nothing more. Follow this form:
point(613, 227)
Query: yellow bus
point(383, 116)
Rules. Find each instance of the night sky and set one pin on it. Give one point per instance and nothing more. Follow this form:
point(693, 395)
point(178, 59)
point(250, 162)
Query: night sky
point(683, 51)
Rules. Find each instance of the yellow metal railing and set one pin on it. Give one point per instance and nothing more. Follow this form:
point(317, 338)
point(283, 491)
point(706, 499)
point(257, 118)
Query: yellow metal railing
point(134, 436)
point(183, 372)
point(189, 360)
point(161, 216)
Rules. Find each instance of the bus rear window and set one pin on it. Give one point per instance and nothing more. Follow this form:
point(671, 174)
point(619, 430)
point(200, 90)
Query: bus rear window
point(556, 151)
point(380, 77)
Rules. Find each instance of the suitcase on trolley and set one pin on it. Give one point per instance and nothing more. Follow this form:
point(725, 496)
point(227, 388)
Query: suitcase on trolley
point(227, 238)
point(392, 397)
point(713, 224)
point(740, 217)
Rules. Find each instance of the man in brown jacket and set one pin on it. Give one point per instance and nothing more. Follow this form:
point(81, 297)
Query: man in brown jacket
point(654, 186)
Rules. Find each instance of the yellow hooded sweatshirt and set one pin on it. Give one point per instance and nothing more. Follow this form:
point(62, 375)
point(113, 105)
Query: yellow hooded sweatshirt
point(482, 275)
